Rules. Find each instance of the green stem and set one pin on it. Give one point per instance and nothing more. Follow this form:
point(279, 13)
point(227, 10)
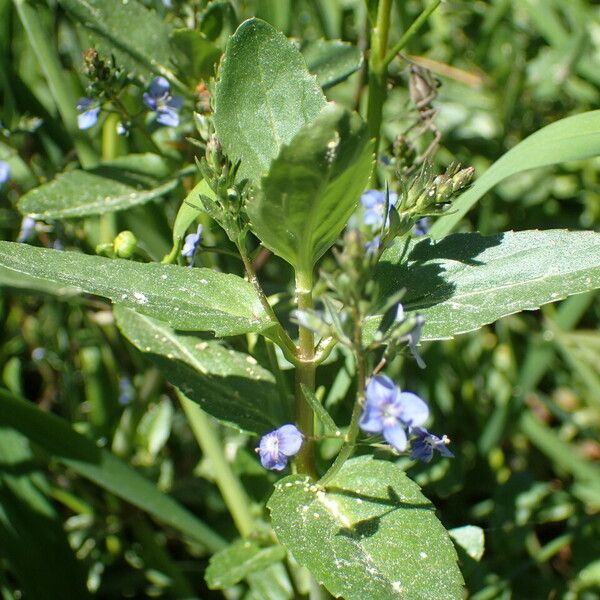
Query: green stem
point(305, 375)
point(59, 87)
point(410, 32)
point(353, 430)
point(378, 75)
point(227, 481)
point(110, 150)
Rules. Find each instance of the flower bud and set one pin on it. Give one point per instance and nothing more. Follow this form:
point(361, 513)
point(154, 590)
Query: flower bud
point(125, 244)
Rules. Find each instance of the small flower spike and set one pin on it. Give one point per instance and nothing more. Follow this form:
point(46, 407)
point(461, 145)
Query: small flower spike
point(426, 443)
point(158, 99)
point(374, 204)
point(88, 111)
point(191, 244)
point(391, 412)
point(4, 172)
point(278, 446)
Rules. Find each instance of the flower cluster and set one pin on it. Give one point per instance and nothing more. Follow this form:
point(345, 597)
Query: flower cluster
point(278, 446)
point(158, 99)
point(396, 415)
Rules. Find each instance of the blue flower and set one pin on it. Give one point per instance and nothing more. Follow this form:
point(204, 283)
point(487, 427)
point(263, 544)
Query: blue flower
point(426, 443)
point(27, 228)
point(191, 244)
point(374, 204)
point(421, 227)
point(278, 446)
point(4, 172)
point(88, 111)
point(158, 99)
point(391, 412)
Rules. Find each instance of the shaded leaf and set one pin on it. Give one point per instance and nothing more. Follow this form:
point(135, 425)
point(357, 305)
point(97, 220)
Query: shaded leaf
point(264, 96)
point(468, 280)
point(370, 534)
point(190, 299)
point(199, 56)
point(226, 384)
point(331, 61)
point(115, 185)
point(471, 539)
point(313, 187)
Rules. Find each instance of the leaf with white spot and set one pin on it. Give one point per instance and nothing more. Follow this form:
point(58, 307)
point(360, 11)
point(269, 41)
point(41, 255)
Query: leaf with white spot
point(369, 534)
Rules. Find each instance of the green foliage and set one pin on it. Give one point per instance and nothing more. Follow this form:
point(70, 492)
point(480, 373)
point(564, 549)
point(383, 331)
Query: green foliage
point(331, 61)
point(199, 300)
point(264, 96)
point(313, 187)
point(468, 280)
point(369, 534)
point(119, 184)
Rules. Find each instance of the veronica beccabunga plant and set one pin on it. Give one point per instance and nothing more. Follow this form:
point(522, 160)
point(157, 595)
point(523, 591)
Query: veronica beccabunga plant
point(285, 182)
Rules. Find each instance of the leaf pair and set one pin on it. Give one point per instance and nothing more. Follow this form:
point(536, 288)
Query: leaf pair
point(308, 160)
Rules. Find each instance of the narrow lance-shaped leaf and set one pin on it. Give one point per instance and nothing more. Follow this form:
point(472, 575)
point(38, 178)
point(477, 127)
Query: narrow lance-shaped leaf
point(468, 280)
point(189, 299)
point(264, 96)
point(116, 185)
point(313, 187)
point(56, 437)
point(226, 384)
point(573, 138)
point(369, 534)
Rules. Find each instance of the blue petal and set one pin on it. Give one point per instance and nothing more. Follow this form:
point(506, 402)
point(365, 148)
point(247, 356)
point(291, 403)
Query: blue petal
point(371, 420)
point(27, 227)
point(4, 172)
point(149, 101)
point(395, 436)
point(88, 118)
point(174, 102)
point(273, 463)
point(84, 104)
point(421, 451)
point(168, 117)
point(381, 389)
point(414, 410)
point(159, 87)
point(372, 217)
point(290, 439)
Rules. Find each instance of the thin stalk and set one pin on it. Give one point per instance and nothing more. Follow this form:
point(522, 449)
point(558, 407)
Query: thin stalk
point(110, 150)
point(353, 430)
point(227, 481)
point(56, 79)
point(410, 32)
point(305, 375)
point(282, 337)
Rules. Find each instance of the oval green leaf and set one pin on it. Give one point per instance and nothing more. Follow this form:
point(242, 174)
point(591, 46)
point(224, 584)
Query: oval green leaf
point(370, 534)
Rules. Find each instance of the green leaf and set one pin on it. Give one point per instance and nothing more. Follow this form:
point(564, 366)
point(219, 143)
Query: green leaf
point(264, 96)
point(226, 384)
point(573, 138)
point(190, 208)
point(471, 539)
point(313, 187)
point(332, 61)
point(32, 537)
point(136, 35)
point(329, 426)
point(199, 56)
point(55, 436)
point(468, 280)
point(239, 560)
point(189, 299)
point(370, 534)
point(116, 185)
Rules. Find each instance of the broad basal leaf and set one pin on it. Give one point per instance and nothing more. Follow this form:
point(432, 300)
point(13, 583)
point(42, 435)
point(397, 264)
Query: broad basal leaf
point(226, 384)
point(190, 299)
point(468, 280)
point(116, 185)
point(239, 560)
point(331, 61)
point(573, 138)
point(136, 35)
point(313, 187)
point(264, 96)
point(369, 534)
